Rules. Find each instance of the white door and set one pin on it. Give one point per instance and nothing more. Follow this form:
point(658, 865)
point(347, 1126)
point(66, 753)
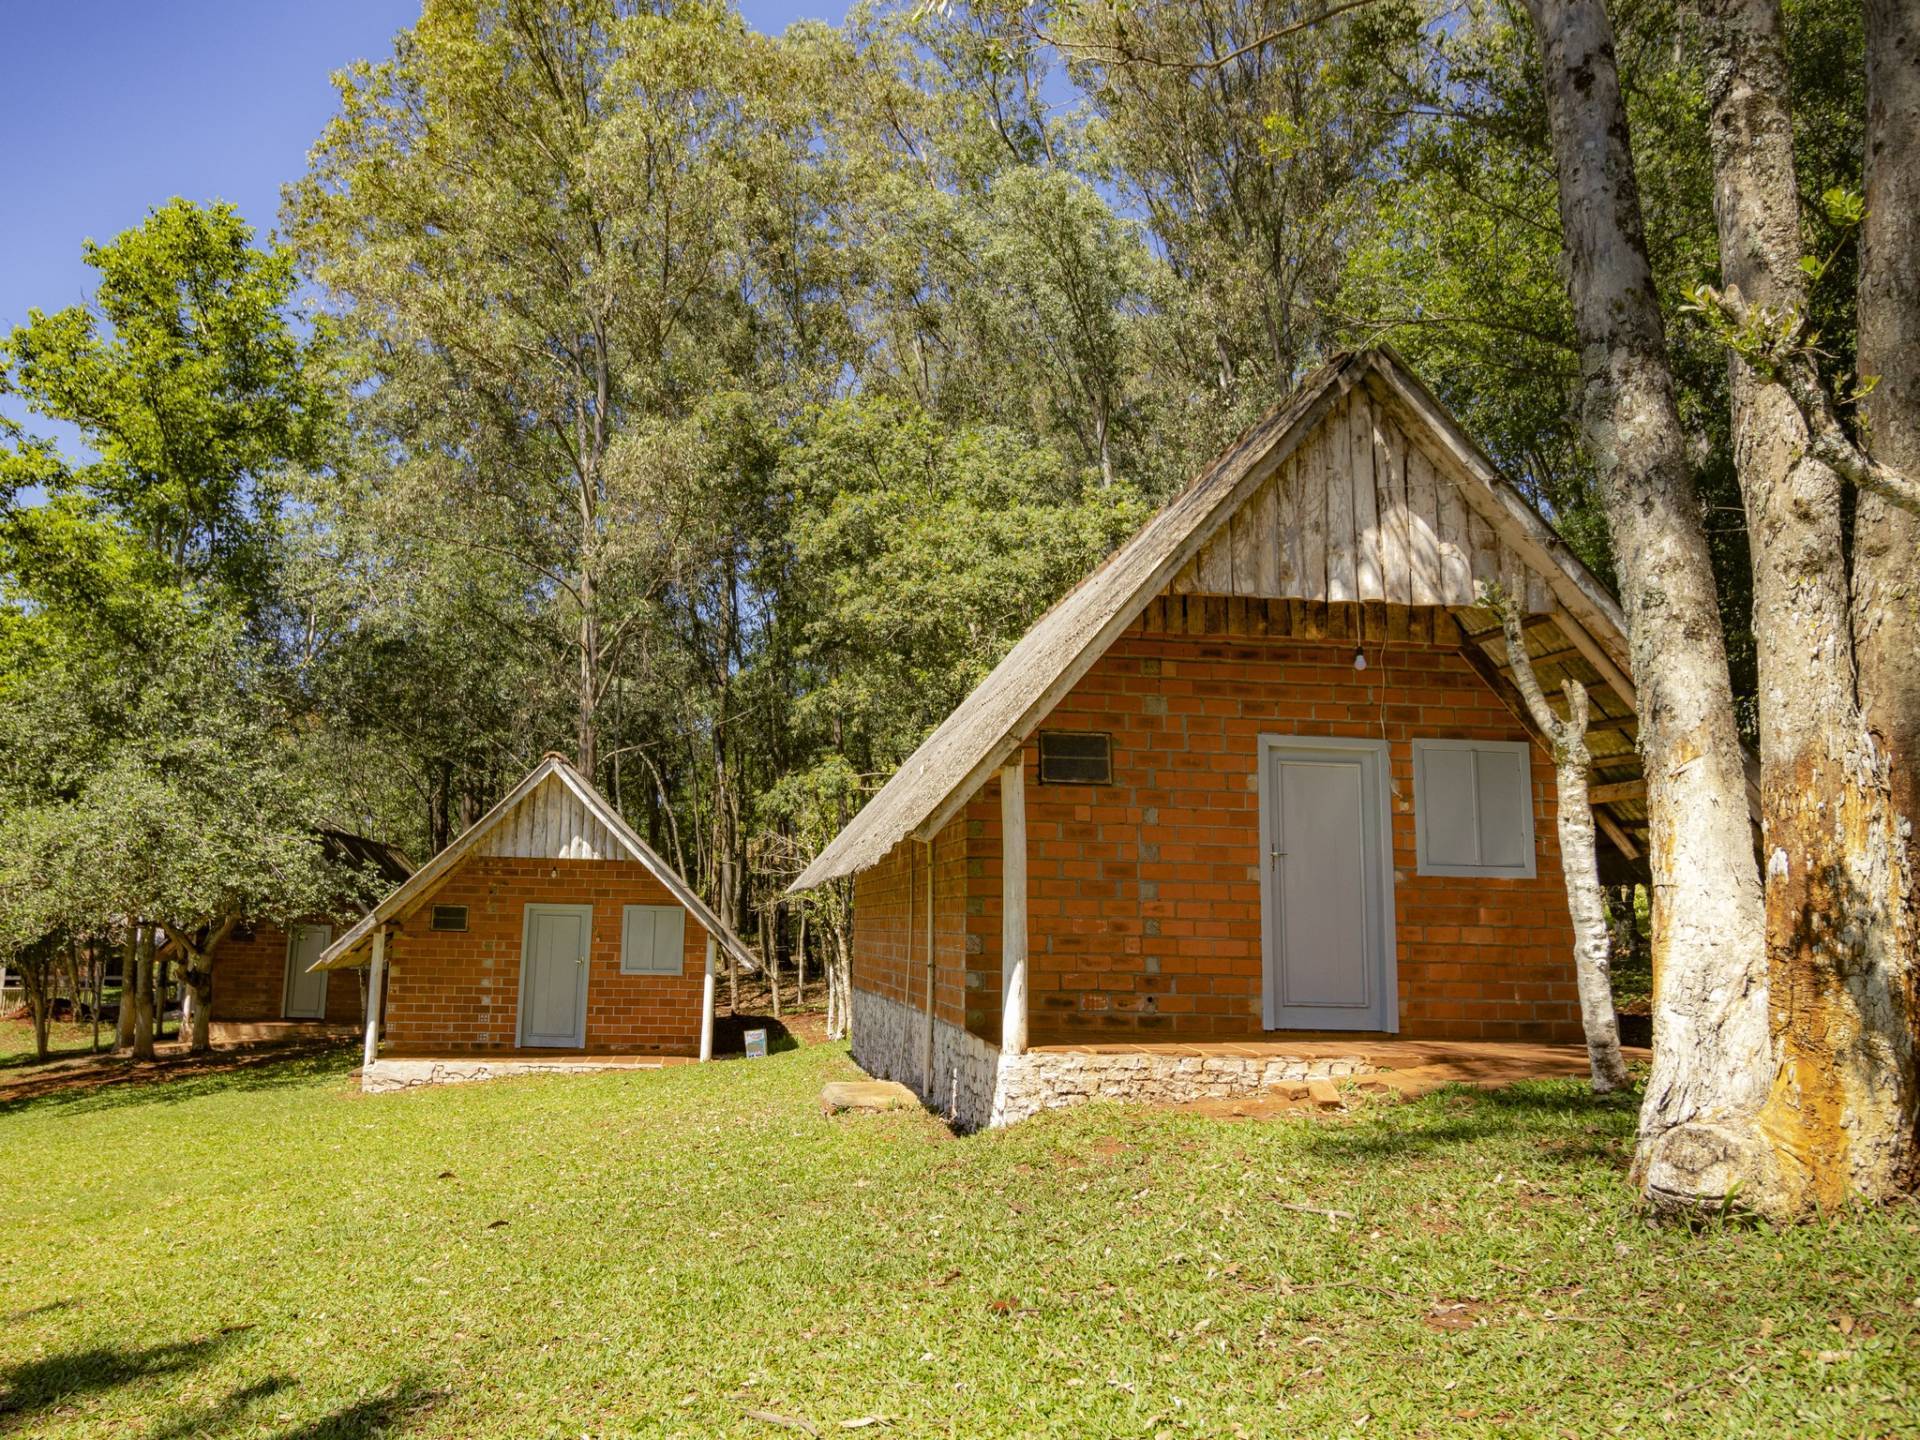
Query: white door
point(553, 976)
point(1327, 886)
point(305, 996)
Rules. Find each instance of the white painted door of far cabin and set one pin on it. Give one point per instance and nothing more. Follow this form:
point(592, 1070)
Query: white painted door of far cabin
point(553, 976)
point(1326, 885)
point(305, 995)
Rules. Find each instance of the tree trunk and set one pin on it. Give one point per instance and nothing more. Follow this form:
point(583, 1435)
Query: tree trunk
point(800, 963)
point(839, 991)
point(197, 973)
point(143, 987)
point(97, 976)
point(587, 738)
point(1709, 1013)
point(1579, 859)
point(36, 980)
point(1839, 1118)
point(70, 956)
point(1886, 545)
point(770, 955)
point(129, 963)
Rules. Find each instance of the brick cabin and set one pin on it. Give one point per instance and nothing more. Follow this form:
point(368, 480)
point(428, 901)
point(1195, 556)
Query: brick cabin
point(260, 972)
point(549, 934)
point(1269, 780)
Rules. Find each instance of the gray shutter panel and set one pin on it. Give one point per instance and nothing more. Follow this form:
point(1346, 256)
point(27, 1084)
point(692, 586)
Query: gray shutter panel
point(1502, 797)
point(1449, 807)
point(669, 939)
point(636, 938)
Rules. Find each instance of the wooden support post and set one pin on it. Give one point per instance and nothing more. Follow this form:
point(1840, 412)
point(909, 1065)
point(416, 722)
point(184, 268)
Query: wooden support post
point(706, 1000)
point(926, 1055)
point(376, 994)
point(1013, 908)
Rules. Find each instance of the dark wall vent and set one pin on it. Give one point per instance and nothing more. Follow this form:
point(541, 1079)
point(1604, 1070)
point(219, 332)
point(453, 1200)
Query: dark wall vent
point(449, 917)
point(1069, 757)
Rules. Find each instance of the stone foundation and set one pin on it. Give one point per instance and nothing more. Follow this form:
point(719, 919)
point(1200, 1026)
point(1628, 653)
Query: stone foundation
point(889, 1041)
point(1051, 1080)
point(976, 1087)
point(385, 1076)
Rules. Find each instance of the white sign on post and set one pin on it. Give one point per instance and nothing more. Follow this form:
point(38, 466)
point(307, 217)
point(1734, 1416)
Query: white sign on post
point(756, 1044)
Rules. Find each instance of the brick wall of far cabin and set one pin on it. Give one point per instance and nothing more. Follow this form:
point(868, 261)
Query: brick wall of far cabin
point(890, 925)
point(459, 990)
point(250, 978)
point(1144, 895)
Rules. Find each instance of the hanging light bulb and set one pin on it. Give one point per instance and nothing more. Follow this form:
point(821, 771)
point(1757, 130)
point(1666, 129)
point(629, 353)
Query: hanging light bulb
point(1359, 658)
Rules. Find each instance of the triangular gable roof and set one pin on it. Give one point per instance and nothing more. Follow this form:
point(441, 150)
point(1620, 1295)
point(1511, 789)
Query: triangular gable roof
point(994, 721)
point(419, 887)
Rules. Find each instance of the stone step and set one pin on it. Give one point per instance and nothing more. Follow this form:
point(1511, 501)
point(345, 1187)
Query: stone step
point(1325, 1095)
point(866, 1095)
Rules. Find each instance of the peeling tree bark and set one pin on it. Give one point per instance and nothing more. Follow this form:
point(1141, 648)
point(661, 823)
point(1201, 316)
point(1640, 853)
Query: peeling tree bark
point(1579, 859)
point(1709, 1012)
point(1839, 1116)
point(1886, 554)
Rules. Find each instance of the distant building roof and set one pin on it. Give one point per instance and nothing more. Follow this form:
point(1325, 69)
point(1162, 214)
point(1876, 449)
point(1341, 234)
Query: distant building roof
point(357, 852)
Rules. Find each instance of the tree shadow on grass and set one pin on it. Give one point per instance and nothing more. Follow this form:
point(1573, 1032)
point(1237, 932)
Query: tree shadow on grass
point(117, 1083)
point(56, 1055)
point(361, 1419)
point(380, 1414)
point(33, 1312)
point(1534, 1113)
point(730, 1035)
point(223, 1414)
point(31, 1387)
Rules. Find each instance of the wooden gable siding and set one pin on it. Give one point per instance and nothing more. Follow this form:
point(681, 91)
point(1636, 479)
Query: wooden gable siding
point(552, 824)
point(1360, 512)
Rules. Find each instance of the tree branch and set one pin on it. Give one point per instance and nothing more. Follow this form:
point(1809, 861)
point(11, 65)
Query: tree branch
point(1776, 344)
point(1569, 734)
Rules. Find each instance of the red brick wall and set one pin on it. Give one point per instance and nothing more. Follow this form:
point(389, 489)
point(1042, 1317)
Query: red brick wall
point(890, 943)
point(1144, 898)
point(458, 990)
point(250, 976)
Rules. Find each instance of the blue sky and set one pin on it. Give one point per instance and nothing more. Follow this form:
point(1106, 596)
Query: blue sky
point(107, 109)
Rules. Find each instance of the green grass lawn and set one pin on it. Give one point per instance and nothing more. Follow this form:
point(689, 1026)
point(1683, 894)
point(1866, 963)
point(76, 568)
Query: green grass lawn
point(268, 1252)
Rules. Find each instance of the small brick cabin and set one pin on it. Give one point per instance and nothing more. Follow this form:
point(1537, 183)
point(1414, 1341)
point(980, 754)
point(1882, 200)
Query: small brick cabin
point(261, 971)
point(1266, 777)
point(548, 930)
